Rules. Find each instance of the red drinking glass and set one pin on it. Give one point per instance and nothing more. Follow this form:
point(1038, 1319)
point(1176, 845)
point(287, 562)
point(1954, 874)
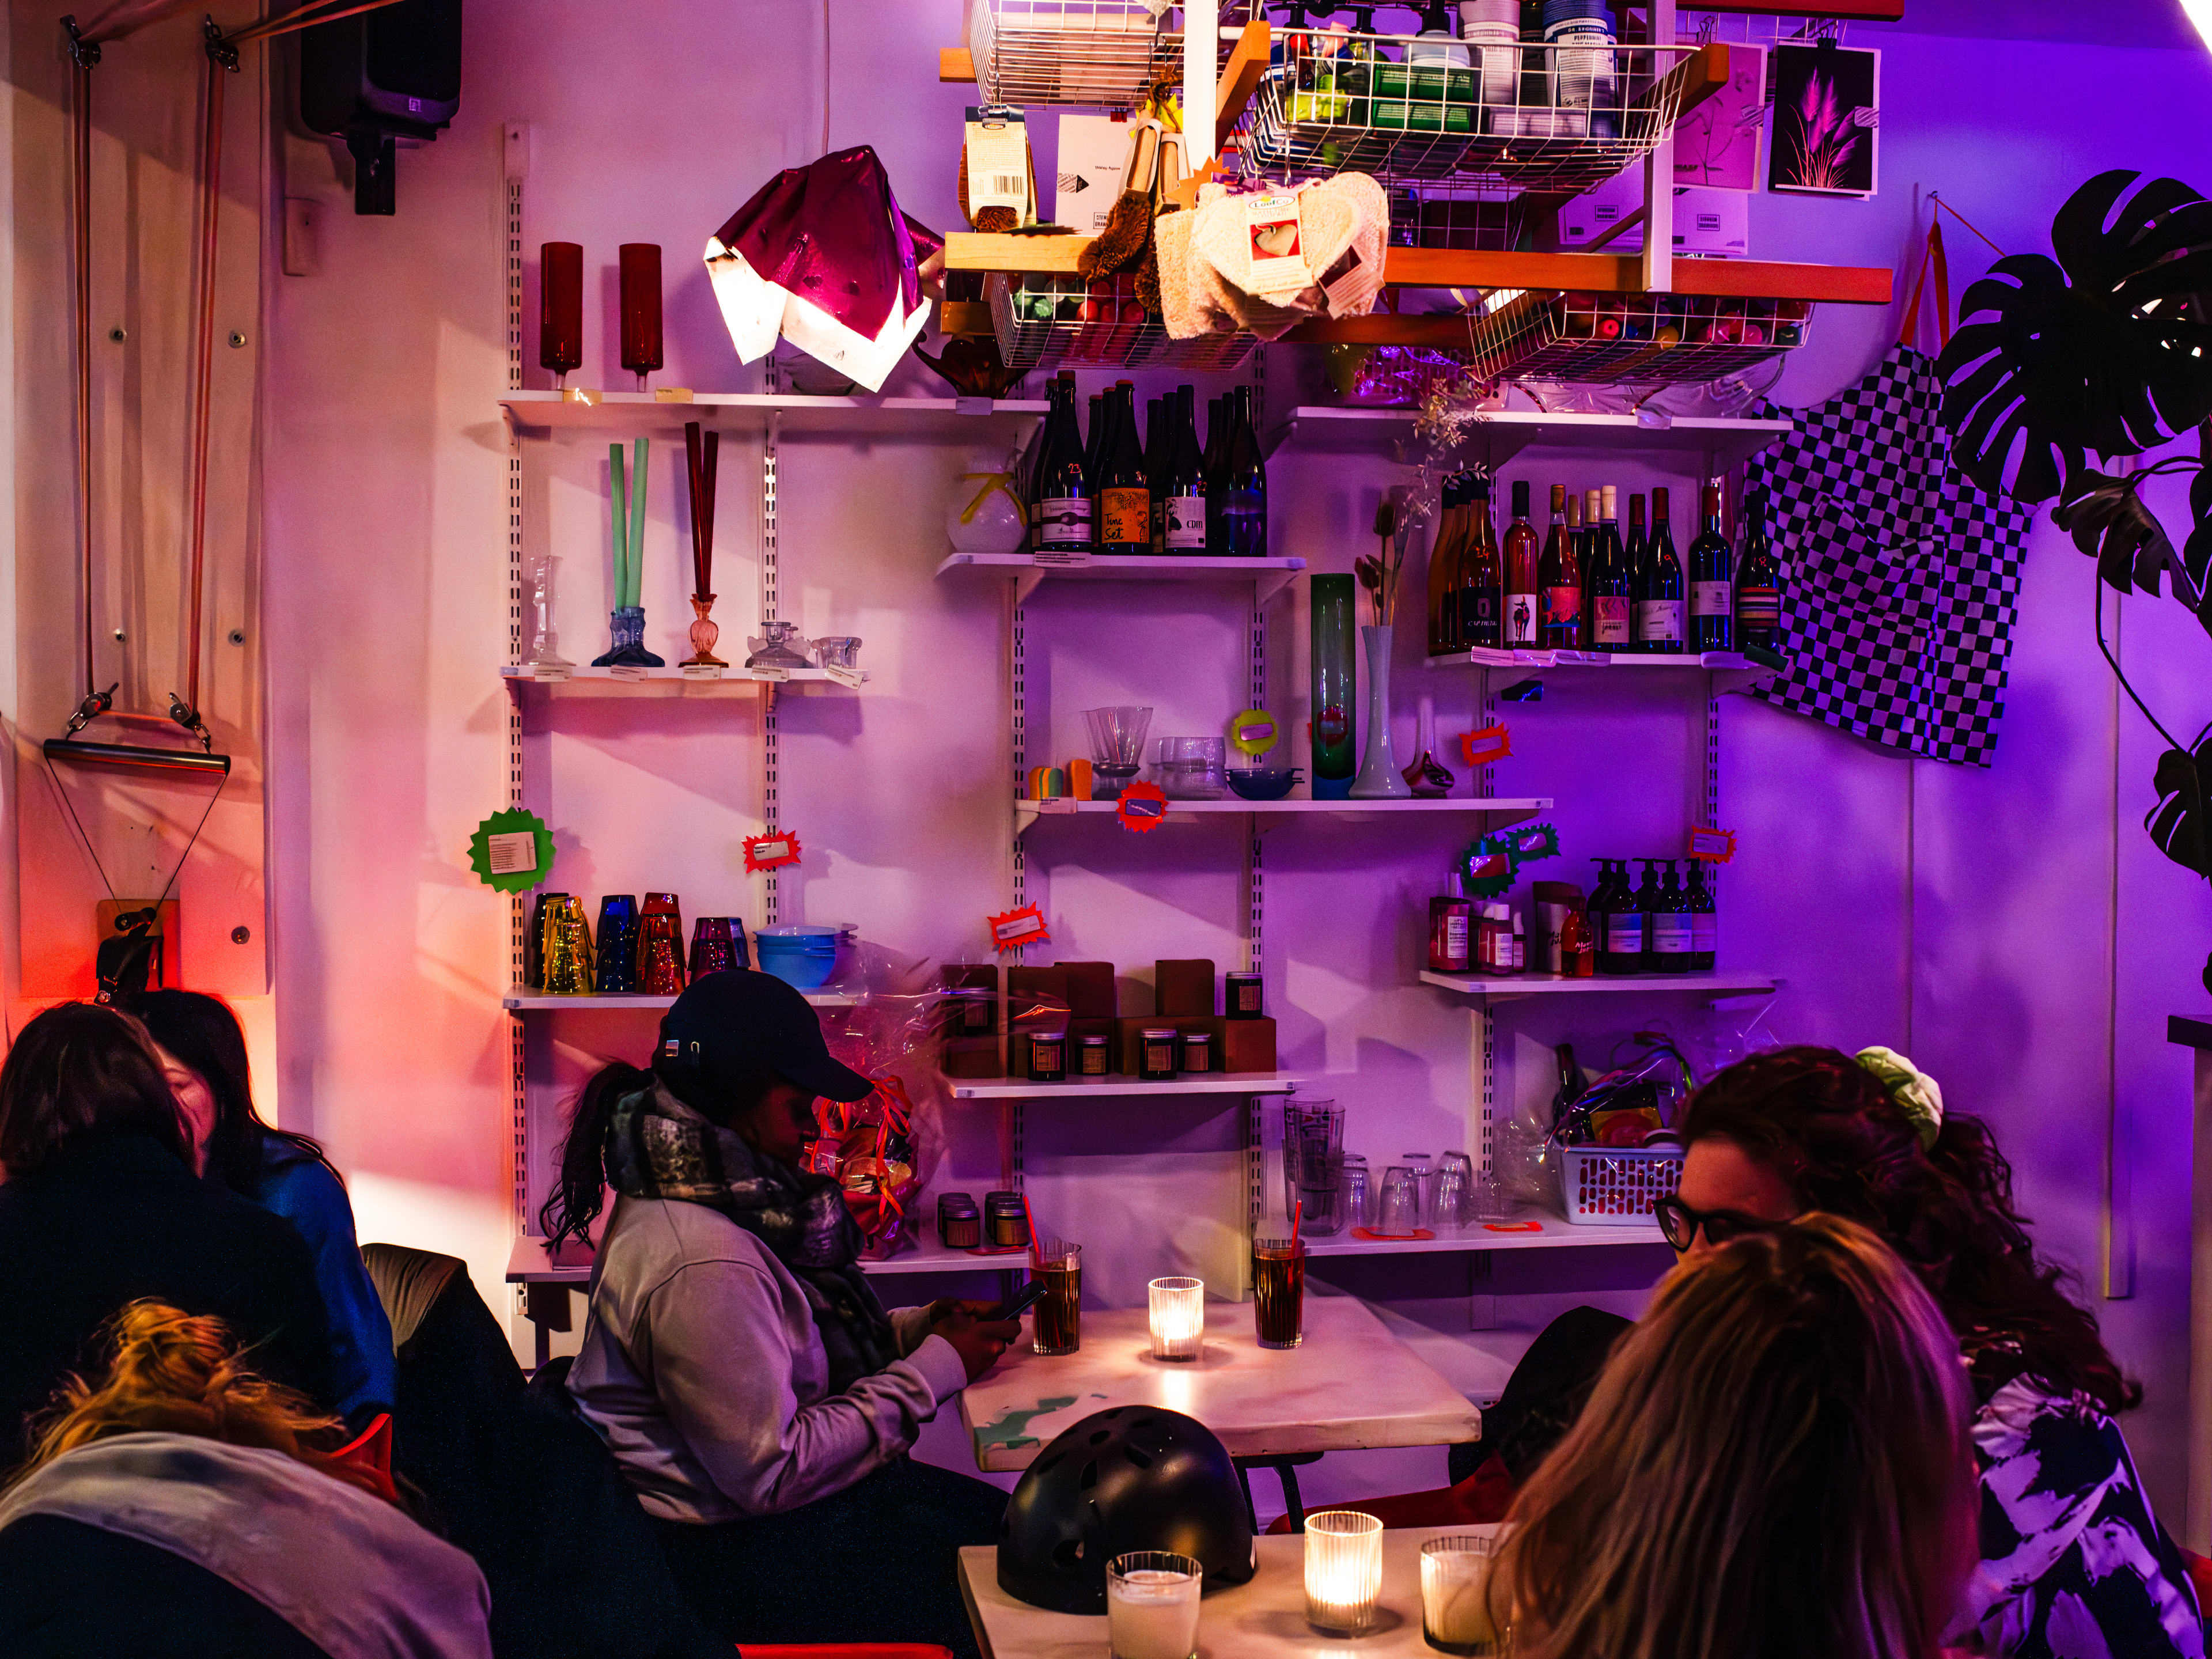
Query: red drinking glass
point(560, 309)
point(660, 946)
point(640, 309)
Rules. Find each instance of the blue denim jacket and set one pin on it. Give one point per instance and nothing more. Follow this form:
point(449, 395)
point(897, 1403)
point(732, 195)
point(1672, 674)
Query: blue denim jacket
point(307, 1194)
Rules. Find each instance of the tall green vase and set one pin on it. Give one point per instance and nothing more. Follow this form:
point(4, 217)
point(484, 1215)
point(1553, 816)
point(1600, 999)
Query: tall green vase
point(1335, 636)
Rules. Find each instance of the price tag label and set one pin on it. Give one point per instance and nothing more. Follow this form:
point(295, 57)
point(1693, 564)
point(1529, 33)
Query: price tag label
point(512, 853)
point(1712, 845)
point(1490, 743)
point(775, 675)
point(1143, 807)
point(625, 671)
point(1277, 256)
point(998, 159)
point(846, 677)
point(551, 673)
point(702, 670)
point(1057, 805)
point(1015, 928)
point(770, 852)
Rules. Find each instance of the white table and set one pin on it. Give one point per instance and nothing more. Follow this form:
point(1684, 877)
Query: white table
point(1265, 1618)
point(1351, 1385)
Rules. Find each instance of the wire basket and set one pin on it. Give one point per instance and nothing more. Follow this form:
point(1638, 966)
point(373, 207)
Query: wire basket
point(1044, 321)
point(1705, 27)
point(1667, 339)
point(1101, 53)
point(1556, 118)
point(1616, 1186)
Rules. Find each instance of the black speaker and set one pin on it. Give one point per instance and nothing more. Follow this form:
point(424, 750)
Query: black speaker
point(383, 75)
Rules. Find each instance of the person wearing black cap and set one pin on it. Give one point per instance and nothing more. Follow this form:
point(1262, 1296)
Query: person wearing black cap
point(759, 1398)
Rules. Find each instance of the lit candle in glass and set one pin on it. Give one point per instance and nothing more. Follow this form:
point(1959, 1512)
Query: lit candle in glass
point(1455, 1595)
point(1344, 1571)
point(1178, 1310)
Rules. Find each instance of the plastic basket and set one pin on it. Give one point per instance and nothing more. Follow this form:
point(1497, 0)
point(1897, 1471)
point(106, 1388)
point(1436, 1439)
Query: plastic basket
point(1645, 338)
point(1616, 1186)
point(1042, 321)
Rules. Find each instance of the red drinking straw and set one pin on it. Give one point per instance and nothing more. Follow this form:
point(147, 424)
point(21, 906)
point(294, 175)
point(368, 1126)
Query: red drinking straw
point(1031, 1219)
point(1298, 1212)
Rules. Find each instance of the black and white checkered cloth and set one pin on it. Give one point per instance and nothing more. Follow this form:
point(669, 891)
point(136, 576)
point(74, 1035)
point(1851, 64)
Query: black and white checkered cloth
point(1904, 579)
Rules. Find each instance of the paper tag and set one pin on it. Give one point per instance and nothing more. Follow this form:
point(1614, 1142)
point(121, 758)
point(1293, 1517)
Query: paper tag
point(623, 670)
point(1712, 845)
point(551, 673)
point(1054, 806)
point(672, 394)
point(702, 670)
point(770, 852)
point(997, 160)
point(773, 673)
point(1049, 554)
point(1352, 283)
point(1277, 256)
point(1491, 743)
point(1015, 928)
point(844, 676)
point(513, 854)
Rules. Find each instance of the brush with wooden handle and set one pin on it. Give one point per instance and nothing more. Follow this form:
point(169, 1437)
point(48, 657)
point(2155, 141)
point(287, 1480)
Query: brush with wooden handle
point(1128, 229)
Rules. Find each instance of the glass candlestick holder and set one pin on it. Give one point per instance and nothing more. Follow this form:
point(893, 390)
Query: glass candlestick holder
point(626, 648)
point(545, 660)
point(1177, 1309)
point(778, 647)
point(704, 632)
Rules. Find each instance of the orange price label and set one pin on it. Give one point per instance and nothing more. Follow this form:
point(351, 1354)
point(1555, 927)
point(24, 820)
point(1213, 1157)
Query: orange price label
point(770, 852)
point(1712, 845)
point(1491, 743)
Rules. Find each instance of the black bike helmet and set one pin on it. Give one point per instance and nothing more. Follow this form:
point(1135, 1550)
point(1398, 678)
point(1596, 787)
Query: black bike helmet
point(1134, 1478)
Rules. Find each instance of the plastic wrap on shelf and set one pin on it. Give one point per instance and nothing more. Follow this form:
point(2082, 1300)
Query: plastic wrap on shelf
point(881, 1149)
point(1561, 116)
point(1646, 339)
point(1043, 321)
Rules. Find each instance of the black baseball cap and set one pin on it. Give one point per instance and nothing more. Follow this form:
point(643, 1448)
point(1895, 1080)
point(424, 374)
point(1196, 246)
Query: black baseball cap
point(729, 1026)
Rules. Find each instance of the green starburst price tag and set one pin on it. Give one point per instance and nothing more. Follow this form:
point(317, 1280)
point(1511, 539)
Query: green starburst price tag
point(512, 851)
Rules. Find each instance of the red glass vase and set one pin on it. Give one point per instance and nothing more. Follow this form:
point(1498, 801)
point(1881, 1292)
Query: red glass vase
point(560, 309)
point(640, 309)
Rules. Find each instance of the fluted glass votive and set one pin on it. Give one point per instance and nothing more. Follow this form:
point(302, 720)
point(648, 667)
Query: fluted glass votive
point(1344, 1571)
point(1178, 1318)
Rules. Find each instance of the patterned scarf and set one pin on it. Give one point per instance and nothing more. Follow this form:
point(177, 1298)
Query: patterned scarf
point(658, 1147)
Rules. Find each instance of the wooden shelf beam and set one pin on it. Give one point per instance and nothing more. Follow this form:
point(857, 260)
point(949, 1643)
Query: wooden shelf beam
point(1240, 79)
point(956, 63)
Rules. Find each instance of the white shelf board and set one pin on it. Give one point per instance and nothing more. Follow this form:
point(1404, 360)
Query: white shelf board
point(1211, 1083)
point(1511, 987)
point(741, 411)
point(1503, 434)
point(1702, 662)
point(1270, 576)
point(597, 678)
point(519, 1000)
point(1553, 1231)
point(529, 1263)
point(1500, 811)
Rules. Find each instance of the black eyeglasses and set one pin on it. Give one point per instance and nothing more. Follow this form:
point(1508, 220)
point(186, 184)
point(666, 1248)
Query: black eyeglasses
point(1678, 1223)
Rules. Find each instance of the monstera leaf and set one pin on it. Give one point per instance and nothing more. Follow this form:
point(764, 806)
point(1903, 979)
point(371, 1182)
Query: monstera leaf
point(2105, 349)
point(2177, 823)
point(2109, 522)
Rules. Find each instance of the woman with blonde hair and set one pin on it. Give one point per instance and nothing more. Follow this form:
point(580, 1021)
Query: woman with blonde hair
point(182, 1507)
point(1776, 1461)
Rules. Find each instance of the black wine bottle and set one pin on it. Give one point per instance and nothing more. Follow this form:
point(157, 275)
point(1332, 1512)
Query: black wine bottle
point(1094, 439)
point(1758, 584)
point(1638, 551)
point(1559, 579)
point(1445, 551)
point(1244, 495)
point(1481, 569)
point(1217, 474)
point(1659, 600)
point(1524, 561)
point(1125, 523)
point(1712, 582)
point(1064, 497)
point(1609, 582)
point(1159, 445)
point(1671, 932)
point(1626, 926)
point(1185, 529)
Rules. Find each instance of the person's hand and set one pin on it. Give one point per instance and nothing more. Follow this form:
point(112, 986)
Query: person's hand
point(978, 1341)
point(945, 1306)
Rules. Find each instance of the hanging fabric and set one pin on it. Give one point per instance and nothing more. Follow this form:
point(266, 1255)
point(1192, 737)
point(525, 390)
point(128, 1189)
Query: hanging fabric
point(1904, 580)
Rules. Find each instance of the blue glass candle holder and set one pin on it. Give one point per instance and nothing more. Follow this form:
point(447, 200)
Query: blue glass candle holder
point(626, 625)
point(618, 942)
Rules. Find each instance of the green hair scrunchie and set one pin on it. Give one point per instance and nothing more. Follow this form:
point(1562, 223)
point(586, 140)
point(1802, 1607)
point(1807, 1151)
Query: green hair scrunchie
point(1917, 1094)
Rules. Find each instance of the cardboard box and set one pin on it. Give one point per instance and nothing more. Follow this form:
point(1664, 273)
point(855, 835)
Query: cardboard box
point(1244, 1045)
point(1708, 224)
point(968, 1045)
point(1091, 992)
point(1037, 1000)
point(1093, 151)
point(1183, 988)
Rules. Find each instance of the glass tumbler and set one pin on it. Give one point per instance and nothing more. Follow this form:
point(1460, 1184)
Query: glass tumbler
point(1454, 1191)
point(1398, 1208)
point(618, 965)
point(1425, 1186)
point(1151, 1605)
point(660, 946)
point(1455, 1593)
point(1056, 1326)
point(1356, 1196)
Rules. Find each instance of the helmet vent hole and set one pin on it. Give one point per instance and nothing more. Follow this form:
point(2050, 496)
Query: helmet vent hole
point(1137, 1457)
point(1089, 1474)
point(1102, 1437)
point(1067, 1553)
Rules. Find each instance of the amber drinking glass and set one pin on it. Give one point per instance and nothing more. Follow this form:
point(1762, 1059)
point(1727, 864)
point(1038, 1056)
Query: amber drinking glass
point(641, 309)
point(1056, 1326)
point(560, 309)
point(1279, 1290)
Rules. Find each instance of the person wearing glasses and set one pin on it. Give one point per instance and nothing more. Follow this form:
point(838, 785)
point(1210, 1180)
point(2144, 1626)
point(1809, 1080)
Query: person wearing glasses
point(2075, 1564)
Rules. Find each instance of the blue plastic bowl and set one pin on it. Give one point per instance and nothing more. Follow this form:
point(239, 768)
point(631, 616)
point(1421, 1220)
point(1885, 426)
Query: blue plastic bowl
point(797, 953)
point(1263, 783)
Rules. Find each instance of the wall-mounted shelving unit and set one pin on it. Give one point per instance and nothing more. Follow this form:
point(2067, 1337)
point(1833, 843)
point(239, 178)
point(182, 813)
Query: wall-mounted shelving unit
point(1512, 987)
point(1495, 437)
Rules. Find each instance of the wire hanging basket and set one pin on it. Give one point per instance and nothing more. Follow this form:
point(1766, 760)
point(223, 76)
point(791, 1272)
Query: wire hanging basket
point(1097, 53)
point(1047, 321)
point(1652, 339)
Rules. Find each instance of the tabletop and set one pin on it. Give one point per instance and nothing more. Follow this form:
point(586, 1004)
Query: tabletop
point(1351, 1385)
point(1265, 1618)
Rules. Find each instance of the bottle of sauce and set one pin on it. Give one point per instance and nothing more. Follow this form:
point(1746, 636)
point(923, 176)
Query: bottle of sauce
point(1450, 914)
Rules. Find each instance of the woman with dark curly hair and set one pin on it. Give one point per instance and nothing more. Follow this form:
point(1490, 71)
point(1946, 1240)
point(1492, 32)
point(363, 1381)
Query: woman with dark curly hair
point(2074, 1565)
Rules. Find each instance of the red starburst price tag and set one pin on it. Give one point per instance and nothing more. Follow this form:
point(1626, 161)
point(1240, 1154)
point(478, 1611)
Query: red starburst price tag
point(1491, 743)
point(1013, 929)
point(1712, 845)
point(1142, 807)
point(770, 852)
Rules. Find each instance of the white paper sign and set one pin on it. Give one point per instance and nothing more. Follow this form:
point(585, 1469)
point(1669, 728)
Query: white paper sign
point(514, 854)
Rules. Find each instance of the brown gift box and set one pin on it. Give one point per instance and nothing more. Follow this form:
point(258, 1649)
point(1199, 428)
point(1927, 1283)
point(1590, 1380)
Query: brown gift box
point(1037, 1000)
point(1091, 989)
point(964, 1053)
point(1183, 987)
point(1239, 1045)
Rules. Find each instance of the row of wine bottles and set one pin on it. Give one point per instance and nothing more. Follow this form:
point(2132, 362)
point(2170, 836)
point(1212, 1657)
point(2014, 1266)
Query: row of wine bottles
point(1112, 494)
point(1655, 927)
point(1585, 588)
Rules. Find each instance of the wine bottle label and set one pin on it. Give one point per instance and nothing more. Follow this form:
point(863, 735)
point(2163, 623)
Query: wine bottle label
point(1704, 933)
point(1521, 619)
point(1712, 598)
point(1609, 621)
point(1186, 529)
point(1624, 933)
point(1670, 934)
point(1562, 606)
point(1758, 607)
point(1064, 520)
point(1659, 619)
point(1127, 516)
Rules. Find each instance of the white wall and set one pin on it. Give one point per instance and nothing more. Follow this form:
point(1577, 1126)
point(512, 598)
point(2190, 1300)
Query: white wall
point(2014, 929)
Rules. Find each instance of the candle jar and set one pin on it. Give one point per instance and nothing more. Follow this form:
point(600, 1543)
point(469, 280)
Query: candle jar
point(640, 309)
point(1197, 1053)
point(560, 309)
point(1006, 1224)
point(1455, 1593)
point(1093, 1056)
point(1241, 996)
point(1047, 1058)
point(1156, 1054)
point(1178, 1318)
point(1344, 1571)
point(959, 1223)
point(1151, 1605)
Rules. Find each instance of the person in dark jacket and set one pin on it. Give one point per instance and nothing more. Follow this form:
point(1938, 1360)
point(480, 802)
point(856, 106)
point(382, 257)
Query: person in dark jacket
point(99, 1206)
point(203, 1054)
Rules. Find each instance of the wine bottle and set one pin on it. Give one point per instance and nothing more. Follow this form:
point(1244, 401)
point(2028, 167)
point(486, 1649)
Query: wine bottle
point(1064, 483)
point(1482, 589)
point(1637, 550)
point(1671, 942)
point(1705, 920)
point(1214, 470)
point(1559, 577)
point(1712, 582)
point(1033, 463)
point(1609, 582)
point(1160, 445)
point(1659, 601)
point(1648, 906)
point(1522, 561)
point(1244, 503)
point(1185, 531)
point(1758, 584)
point(1094, 437)
point(1444, 570)
point(1125, 499)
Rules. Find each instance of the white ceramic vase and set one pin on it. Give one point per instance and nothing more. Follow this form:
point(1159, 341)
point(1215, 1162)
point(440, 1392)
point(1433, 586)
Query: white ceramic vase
point(1379, 777)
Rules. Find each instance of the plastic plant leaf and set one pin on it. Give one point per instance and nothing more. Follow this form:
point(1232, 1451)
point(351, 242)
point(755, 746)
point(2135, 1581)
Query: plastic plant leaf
point(2177, 823)
point(2103, 349)
point(512, 851)
point(770, 852)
